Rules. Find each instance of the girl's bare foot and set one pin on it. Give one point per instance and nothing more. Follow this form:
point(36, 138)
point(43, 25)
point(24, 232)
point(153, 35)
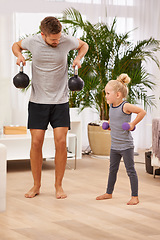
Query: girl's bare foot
point(60, 193)
point(104, 196)
point(34, 191)
point(133, 201)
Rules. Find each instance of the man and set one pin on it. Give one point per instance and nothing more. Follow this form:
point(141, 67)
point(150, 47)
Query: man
point(49, 95)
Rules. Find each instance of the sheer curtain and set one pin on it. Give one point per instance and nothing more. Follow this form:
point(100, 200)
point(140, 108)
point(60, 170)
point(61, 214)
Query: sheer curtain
point(145, 15)
point(147, 23)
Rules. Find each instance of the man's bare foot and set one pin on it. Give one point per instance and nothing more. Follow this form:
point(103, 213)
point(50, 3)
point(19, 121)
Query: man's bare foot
point(133, 201)
point(104, 196)
point(60, 193)
point(34, 191)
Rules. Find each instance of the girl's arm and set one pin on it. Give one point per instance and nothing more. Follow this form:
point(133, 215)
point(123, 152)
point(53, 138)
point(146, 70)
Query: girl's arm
point(130, 108)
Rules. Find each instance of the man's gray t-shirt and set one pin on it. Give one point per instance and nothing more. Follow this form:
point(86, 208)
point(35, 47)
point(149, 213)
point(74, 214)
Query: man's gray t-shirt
point(49, 68)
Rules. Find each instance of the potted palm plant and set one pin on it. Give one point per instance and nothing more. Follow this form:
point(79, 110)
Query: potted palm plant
point(109, 55)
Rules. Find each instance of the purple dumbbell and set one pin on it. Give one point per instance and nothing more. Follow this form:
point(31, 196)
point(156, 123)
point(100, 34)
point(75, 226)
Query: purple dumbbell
point(126, 126)
point(105, 125)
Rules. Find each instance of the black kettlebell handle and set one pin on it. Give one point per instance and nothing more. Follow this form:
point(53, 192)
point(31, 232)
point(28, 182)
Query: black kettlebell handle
point(21, 67)
point(76, 70)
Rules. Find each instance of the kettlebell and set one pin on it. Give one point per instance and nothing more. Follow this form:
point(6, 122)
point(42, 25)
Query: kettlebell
point(75, 83)
point(21, 80)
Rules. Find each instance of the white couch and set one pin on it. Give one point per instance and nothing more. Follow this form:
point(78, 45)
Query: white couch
point(155, 162)
point(155, 158)
point(3, 157)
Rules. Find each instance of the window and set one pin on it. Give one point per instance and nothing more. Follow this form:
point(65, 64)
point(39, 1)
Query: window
point(79, 1)
point(121, 2)
point(123, 25)
point(28, 23)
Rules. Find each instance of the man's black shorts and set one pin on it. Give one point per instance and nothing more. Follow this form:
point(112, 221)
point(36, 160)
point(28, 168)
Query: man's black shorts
point(40, 115)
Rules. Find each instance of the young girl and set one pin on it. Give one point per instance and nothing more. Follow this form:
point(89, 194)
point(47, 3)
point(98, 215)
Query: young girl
point(121, 140)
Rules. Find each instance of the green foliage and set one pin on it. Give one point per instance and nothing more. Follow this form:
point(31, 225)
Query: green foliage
point(109, 55)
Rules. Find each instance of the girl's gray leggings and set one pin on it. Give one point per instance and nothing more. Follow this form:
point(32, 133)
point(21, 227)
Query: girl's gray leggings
point(128, 158)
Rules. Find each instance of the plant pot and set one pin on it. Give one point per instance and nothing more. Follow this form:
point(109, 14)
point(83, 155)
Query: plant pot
point(99, 140)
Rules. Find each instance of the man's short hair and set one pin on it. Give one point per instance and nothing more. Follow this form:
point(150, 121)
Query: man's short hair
point(50, 25)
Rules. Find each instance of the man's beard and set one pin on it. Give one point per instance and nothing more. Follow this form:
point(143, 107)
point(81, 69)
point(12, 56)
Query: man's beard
point(51, 45)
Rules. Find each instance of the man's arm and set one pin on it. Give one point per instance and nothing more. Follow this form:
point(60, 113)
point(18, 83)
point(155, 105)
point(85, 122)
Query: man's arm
point(17, 51)
point(82, 50)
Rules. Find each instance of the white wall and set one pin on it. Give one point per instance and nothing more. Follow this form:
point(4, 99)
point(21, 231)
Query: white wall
point(5, 68)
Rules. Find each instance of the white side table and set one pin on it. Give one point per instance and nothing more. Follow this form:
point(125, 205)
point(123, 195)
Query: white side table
point(18, 146)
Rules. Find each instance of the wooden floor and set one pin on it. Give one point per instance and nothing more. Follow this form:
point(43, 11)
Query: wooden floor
point(80, 216)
